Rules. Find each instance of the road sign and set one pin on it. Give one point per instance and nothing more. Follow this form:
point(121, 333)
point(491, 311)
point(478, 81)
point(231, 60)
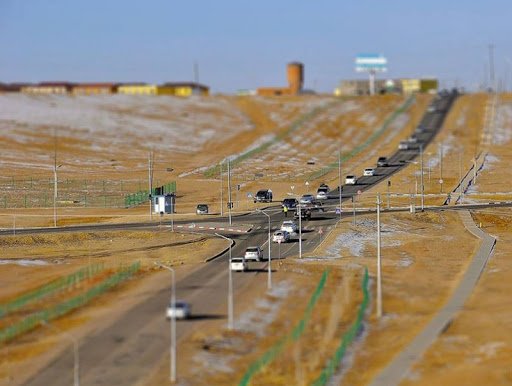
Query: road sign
point(238, 187)
point(320, 231)
point(371, 63)
point(307, 183)
point(359, 192)
point(249, 195)
point(338, 211)
point(279, 241)
point(441, 181)
point(292, 187)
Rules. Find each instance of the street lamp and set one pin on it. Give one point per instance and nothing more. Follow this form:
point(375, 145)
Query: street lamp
point(379, 282)
point(299, 210)
point(55, 167)
point(230, 284)
point(269, 276)
point(172, 349)
point(422, 184)
point(76, 367)
point(339, 179)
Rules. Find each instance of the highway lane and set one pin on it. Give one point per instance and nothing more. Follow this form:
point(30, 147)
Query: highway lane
point(124, 351)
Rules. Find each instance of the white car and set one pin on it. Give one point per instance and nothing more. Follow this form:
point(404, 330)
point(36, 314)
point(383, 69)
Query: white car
point(253, 253)
point(180, 310)
point(307, 199)
point(289, 226)
point(280, 237)
point(403, 145)
point(238, 264)
point(350, 180)
point(368, 172)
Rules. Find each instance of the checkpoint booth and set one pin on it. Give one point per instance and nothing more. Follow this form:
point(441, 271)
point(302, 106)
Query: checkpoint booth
point(164, 203)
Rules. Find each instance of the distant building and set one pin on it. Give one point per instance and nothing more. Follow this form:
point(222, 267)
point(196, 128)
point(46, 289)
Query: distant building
point(185, 89)
point(176, 89)
point(382, 86)
point(419, 85)
point(295, 75)
point(12, 87)
point(48, 88)
point(94, 89)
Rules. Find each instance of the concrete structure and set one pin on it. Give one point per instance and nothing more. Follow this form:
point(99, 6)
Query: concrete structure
point(48, 88)
point(295, 72)
point(94, 88)
point(419, 85)
point(295, 75)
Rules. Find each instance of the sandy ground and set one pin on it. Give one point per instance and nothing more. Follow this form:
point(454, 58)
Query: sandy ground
point(298, 130)
point(424, 255)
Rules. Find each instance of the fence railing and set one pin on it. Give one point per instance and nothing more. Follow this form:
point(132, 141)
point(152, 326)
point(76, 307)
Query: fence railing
point(55, 286)
point(347, 338)
point(143, 195)
point(294, 335)
point(64, 307)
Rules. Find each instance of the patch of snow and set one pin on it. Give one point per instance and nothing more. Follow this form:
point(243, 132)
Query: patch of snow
point(23, 262)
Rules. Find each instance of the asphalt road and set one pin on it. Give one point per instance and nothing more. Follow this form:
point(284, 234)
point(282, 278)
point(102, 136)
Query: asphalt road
point(124, 352)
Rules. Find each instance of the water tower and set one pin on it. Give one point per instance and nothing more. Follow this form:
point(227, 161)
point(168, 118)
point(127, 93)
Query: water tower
point(295, 71)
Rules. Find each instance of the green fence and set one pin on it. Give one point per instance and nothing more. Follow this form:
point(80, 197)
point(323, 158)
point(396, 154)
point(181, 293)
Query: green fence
point(347, 338)
point(60, 309)
point(143, 195)
point(295, 334)
point(214, 170)
point(52, 287)
point(358, 149)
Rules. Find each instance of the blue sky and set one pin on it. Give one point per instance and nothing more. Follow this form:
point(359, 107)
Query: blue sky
point(240, 44)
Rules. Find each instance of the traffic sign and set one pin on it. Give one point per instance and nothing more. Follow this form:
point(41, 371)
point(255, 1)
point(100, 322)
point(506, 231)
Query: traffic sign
point(359, 192)
point(338, 211)
point(441, 181)
point(307, 183)
point(249, 195)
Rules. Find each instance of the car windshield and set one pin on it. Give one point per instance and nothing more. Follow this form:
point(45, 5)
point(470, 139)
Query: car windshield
point(179, 305)
point(252, 249)
point(202, 206)
point(237, 259)
point(261, 193)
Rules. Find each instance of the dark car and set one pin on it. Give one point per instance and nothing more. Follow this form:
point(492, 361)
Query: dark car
point(304, 212)
point(263, 196)
point(382, 161)
point(290, 203)
point(202, 209)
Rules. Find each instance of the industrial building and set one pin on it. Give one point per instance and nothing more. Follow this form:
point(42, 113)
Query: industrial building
point(295, 75)
point(48, 88)
point(187, 88)
point(383, 86)
point(94, 89)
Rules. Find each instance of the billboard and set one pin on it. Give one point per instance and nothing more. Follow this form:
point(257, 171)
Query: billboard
point(371, 63)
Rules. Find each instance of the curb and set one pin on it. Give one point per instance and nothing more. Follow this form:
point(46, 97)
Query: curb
point(208, 259)
point(194, 226)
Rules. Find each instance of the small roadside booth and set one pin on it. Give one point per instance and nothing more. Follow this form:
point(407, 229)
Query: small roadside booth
point(164, 203)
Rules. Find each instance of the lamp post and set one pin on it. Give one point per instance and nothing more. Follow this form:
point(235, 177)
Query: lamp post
point(422, 184)
point(230, 284)
point(76, 366)
point(55, 181)
point(269, 275)
point(339, 179)
point(379, 282)
point(299, 210)
point(172, 349)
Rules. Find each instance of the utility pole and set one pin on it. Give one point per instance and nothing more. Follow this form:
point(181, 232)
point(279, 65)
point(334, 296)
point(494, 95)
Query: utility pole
point(229, 192)
point(55, 188)
point(491, 68)
point(150, 183)
point(389, 186)
point(460, 174)
point(379, 281)
point(422, 184)
point(339, 179)
point(221, 191)
point(441, 166)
